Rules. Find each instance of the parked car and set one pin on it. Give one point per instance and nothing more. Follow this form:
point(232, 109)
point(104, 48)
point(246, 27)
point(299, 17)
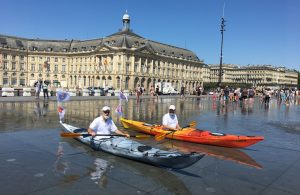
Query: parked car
point(102, 92)
point(109, 90)
point(91, 91)
point(174, 92)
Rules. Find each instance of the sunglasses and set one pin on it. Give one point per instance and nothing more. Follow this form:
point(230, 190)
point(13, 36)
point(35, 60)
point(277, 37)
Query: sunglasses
point(172, 111)
point(106, 111)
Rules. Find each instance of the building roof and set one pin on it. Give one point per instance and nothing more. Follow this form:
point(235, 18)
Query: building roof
point(124, 39)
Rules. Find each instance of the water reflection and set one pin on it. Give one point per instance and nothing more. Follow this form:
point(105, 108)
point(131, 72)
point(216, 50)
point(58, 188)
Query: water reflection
point(37, 109)
point(45, 109)
point(160, 176)
point(106, 166)
point(231, 154)
point(152, 110)
point(61, 166)
point(247, 106)
point(99, 175)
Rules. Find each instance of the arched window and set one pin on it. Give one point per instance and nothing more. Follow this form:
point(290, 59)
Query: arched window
point(109, 81)
point(127, 83)
point(118, 83)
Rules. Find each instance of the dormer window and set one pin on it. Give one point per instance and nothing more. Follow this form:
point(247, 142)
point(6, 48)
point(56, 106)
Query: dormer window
point(3, 42)
point(65, 49)
point(34, 48)
point(93, 47)
point(75, 49)
point(83, 48)
point(49, 49)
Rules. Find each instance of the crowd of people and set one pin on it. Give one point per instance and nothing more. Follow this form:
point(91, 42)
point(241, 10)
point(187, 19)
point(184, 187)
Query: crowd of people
point(39, 86)
point(238, 94)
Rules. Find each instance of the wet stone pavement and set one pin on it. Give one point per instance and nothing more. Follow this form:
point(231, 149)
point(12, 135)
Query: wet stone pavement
point(34, 159)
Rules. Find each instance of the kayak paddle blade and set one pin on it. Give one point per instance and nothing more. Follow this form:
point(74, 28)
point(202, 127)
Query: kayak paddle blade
point(141, 136)
point(193, 124)
point(160, 137)
point(70, 135)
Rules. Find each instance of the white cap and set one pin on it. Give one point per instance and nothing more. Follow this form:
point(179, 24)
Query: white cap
point(171, 107)
point(105, 108)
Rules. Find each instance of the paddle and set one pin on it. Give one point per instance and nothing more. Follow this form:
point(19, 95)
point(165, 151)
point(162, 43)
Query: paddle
point(74, 135)
point(162, 136)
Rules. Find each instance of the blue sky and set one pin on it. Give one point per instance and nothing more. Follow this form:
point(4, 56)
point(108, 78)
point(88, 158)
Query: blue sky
point(257, 31)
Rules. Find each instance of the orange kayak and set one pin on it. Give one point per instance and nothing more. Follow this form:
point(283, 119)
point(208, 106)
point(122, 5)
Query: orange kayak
point(194, 135)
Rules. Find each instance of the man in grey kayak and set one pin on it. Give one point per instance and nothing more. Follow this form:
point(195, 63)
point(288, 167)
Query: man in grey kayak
point(170, 120)
point(104, 125)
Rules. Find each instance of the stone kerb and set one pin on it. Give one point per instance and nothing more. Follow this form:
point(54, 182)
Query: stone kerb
point(27, 92)
point(97, 92)
point(8, 92)
point(85, 92)
point(72, 92)
point(126, 93)
point(117, 92)
point(59, 89)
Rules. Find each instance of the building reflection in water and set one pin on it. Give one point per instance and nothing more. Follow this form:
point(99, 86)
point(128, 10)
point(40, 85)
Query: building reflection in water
point(40, 113)
point(37, 109)
point(99, 175)
point(61, 166)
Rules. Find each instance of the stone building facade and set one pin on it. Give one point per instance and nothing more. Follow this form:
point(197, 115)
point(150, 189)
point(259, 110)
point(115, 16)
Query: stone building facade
point(121, 60)
point(256, 75)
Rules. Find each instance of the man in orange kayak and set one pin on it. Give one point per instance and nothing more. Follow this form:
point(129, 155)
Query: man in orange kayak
point(170, 120)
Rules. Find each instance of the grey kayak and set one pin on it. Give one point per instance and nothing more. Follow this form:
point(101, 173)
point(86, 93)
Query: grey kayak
point(128, 148)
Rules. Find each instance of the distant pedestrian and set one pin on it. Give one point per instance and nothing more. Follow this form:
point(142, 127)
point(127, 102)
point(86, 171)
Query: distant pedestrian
point(138, 92)
point(182, 92)
point(244, 94)
point(151, 91)
point(38, 86)
point(45, 89)
point(267, 97)
point(251, 93)
point(226, 93)
point(198, 89)
point(157, 91)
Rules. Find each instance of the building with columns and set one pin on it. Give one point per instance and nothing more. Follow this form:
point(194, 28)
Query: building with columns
point(121, 60)
point(256, 75)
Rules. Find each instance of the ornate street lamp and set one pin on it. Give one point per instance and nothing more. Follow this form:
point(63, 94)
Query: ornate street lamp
point(221, 57)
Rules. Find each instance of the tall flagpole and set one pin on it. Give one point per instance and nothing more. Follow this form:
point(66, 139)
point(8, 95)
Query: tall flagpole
point(221, 56)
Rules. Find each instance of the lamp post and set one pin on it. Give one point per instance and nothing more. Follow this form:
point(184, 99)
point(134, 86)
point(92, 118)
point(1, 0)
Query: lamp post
point(221, 57)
